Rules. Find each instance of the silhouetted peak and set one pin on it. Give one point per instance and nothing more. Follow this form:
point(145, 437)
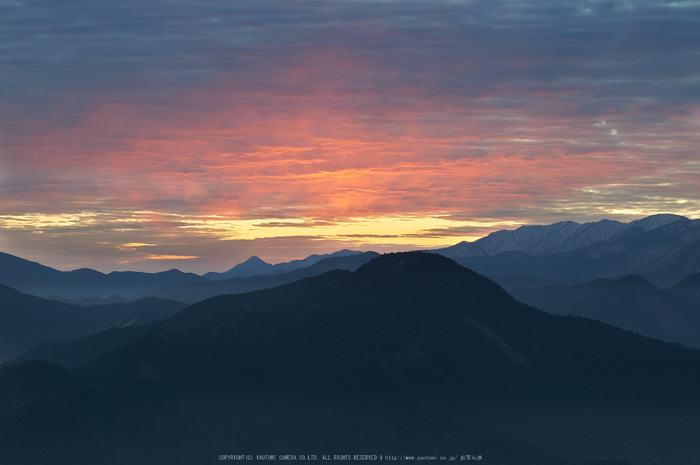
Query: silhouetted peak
point(406, 263)
point(421, 268)
point(254, 265)
point(345, 253)
point(171, 272)
point(85, 272)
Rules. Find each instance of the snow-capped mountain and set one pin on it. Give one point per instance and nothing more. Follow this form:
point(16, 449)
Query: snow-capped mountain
point(662, 248)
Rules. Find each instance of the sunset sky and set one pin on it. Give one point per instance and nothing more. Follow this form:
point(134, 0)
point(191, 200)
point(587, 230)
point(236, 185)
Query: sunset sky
point(193, 134)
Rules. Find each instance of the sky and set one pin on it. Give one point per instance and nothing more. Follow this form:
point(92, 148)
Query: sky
point(150, 135)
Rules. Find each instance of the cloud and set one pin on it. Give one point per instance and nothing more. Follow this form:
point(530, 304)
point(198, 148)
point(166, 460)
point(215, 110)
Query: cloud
point(320, 113)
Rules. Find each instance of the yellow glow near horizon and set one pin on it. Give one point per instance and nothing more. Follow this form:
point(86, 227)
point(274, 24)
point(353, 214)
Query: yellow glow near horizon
point(430, 231)
point(169, 257)
point(417, 231)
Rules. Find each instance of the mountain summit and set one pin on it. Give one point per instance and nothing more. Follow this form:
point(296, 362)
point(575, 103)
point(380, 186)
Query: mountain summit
point(252, 267)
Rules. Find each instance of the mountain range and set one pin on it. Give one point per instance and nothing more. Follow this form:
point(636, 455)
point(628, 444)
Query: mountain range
point(36, 279)
point(564, 236)
point(659, 249)
point(254, 266)
point(631, 303)
point(663, 249)
point(409, 354)
point(27, 320)
point(196, 291)
point(87, 287)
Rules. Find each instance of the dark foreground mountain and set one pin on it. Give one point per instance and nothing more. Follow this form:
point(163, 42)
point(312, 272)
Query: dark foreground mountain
point(26, 320)
point(410, 354)
point(74, 352)
point(195, 292)
point(630, 303)
point(663, 249)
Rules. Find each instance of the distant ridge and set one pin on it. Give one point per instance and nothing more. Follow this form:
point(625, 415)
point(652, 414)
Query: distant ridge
point(26, 320)
point(559, 237)
point(33, 278)
point(631, 303)
point(86, 287)
point(17, 272)
point(663, 249)
point(254, 266)
point(195, 292)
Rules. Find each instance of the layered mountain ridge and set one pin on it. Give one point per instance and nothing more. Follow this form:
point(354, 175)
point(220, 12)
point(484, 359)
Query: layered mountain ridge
point(255, 266)
point(559, 237)
point(411, 352)
point(34, 278)
point(27, 320)
point(87, 287)
point(663, 249)
point(631, 303)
